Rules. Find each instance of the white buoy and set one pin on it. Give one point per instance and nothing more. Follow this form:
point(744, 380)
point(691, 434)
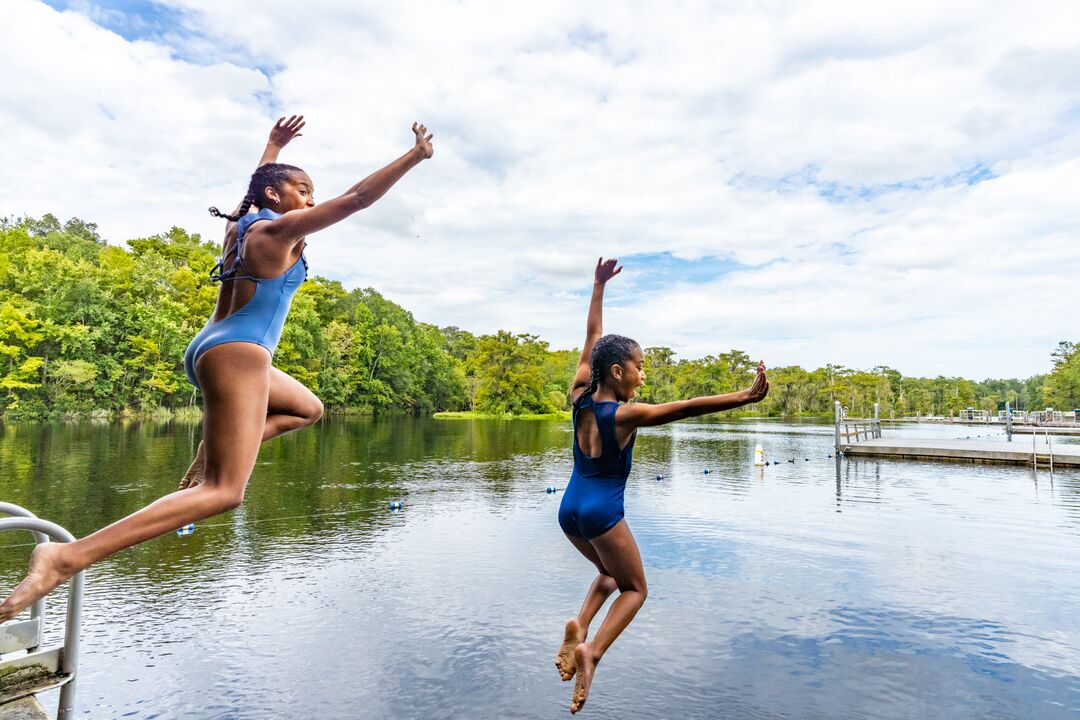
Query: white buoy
point(759, 455)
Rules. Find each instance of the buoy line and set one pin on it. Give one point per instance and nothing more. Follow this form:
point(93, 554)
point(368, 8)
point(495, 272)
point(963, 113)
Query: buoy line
point(252, 521)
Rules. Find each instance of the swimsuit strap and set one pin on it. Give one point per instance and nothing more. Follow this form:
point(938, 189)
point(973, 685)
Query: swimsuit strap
point(604, 416)
point(605, 422)
point(218, 273)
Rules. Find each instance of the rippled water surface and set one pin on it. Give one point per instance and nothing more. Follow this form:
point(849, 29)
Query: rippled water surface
point(868, 589)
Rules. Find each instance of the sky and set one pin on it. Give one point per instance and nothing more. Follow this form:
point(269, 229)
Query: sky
point(810, 182)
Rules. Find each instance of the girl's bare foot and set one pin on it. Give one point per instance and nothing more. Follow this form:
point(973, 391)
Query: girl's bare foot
point(586, 664)
point(564, 661)
point(48, 569)
point(195, 474)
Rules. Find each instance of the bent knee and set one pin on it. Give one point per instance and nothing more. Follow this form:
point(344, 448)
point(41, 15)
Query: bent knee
point(310, 412)
point(229, 499)
point(639, 587)
point(220, 497)
point(315, 412)
point(608, 583)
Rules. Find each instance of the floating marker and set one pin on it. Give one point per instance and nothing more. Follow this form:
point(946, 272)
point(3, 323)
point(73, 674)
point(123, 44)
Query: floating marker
point(551, 489)
point(396, 505)
point(659, 477)
point(186, 530)
point(706, 471)
point(759, 456)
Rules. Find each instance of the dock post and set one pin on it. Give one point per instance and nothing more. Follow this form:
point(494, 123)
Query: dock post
point(836, 418)
point(877, 422)
point(1050, 450)
point(1008, 421)
point(1034, 450)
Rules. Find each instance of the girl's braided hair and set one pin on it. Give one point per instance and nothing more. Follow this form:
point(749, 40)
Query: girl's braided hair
point(608, 350)
point(271, 174)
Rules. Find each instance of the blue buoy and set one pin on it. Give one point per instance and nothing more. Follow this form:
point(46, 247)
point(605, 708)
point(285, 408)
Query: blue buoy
point(186, 530)
point(659, 477)
point(396, 505)
point(706, 471)
point(551, 489)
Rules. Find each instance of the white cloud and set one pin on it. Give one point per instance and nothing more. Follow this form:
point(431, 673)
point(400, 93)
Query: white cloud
point(822, 146)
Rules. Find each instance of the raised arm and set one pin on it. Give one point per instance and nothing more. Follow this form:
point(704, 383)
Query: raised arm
point(298, 223)
point(280, 135)
point(635, 415)
point(594, 326)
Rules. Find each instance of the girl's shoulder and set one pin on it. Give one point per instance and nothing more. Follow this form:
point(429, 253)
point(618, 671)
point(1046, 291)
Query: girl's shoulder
point(248, 220)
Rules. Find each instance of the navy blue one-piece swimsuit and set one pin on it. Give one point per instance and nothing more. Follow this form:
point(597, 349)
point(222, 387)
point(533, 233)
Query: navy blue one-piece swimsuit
point(593, 501)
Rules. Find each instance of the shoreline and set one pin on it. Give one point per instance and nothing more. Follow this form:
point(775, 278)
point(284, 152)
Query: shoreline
point(473, 415)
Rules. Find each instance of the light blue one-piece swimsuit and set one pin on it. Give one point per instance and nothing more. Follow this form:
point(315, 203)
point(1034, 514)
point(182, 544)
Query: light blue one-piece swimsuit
point(262, 318)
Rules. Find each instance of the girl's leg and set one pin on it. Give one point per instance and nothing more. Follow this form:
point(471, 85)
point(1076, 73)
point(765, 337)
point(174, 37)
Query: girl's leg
point(290, 406)
point(235, 380)
point(619, 554)
point(577, 628)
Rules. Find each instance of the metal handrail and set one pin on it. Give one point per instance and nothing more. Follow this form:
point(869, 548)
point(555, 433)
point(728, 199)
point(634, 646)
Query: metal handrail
point(37, 610)
point(69, 658)
point(871, 427)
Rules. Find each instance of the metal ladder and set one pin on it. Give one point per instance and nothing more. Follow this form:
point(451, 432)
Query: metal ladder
point(37, 669)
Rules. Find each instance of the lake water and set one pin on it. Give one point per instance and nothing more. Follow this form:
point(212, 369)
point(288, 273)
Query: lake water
point(882, 589)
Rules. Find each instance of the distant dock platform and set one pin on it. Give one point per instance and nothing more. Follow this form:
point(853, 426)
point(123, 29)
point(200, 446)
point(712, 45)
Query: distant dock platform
point(1017, 452)
point(1043, 429)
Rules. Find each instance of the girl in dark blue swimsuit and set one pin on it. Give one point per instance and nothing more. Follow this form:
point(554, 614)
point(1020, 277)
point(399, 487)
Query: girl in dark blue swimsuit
point(591, 514)
point(246, 401)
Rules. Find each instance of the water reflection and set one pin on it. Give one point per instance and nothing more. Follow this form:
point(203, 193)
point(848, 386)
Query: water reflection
point(815, 588)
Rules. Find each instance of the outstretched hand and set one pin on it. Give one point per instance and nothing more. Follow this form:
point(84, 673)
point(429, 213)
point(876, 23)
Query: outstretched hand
point(423, 140)
point(285, 130)
point(760, 388)
point(605, 270)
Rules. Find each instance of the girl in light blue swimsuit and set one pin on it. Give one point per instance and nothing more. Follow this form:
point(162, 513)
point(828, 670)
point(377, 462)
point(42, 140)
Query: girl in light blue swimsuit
point(246, 401)
point(610, 371)
point(262, 318)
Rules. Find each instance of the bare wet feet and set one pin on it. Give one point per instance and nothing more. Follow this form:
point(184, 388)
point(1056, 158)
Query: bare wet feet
point(194, 475)
point(47, 570)
point(586, 664)
point(564, 661)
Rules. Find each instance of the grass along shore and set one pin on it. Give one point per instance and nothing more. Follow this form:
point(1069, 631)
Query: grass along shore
point(472, 415)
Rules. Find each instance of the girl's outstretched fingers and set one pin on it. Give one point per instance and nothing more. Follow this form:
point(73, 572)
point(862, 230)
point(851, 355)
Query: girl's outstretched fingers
point(605, 270)
point(285, 130)
point(760, 388)
point(423, 139)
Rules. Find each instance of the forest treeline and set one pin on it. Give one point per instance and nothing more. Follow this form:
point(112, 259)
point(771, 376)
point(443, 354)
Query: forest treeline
point(90, 328)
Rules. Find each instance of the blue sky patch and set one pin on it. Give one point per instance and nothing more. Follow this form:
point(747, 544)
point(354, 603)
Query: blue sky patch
point(158, 23)
point(807, 177)
point(130, 19)
point(663, 268)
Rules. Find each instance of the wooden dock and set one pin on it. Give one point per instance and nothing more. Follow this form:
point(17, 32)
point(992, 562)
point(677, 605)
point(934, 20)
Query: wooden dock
point(1041, 430)
point(1019, 452)
point(28, 708)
